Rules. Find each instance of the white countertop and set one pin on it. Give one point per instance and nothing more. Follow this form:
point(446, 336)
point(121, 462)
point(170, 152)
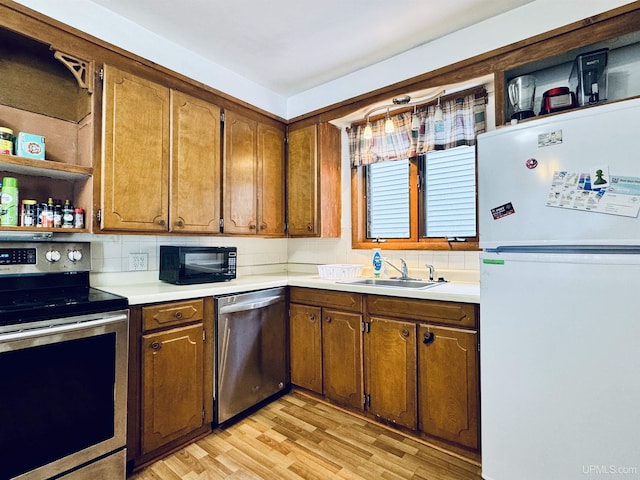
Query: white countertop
point(146, 289)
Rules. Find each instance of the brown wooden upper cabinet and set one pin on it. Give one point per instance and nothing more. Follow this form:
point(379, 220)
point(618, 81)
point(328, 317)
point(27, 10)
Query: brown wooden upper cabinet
point(313, 180)
point(253, 177)
point(147, 185)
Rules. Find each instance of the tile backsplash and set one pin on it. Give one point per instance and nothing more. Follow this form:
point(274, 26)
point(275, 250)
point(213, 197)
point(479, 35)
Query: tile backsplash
point(110, 253)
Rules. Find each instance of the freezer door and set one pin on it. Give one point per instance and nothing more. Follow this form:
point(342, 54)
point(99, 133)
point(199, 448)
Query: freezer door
point(516, 168)
point(560, 366)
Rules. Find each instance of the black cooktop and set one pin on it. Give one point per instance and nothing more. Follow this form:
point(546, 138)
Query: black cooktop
point(42, 297)
point(58, 304)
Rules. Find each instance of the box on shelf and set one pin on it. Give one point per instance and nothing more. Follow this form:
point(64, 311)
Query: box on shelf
point(339, 271)
point(30, 145)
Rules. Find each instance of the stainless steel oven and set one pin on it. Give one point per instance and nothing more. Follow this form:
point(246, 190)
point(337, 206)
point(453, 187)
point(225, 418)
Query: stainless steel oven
point(63, 358)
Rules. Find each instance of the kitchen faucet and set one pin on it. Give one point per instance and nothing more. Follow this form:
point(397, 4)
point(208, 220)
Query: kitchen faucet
point(404, 271)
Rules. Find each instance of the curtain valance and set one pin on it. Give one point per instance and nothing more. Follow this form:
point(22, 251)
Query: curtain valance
point(463, 118)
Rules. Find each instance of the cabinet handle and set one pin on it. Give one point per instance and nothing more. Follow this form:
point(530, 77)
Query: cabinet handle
point(309, 228)
point(161, 222)
point(263, 226)
point(428, 338)
point(252, 227)
point(178, 315)
point(312, 317)
point(328, 320)
point(180, 223)
point(156, 346)
point(404, 332)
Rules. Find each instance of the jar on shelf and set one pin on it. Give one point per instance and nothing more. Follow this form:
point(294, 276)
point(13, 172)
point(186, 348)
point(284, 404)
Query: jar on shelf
point(6, 141)
point(28, 214)
point(78, 218)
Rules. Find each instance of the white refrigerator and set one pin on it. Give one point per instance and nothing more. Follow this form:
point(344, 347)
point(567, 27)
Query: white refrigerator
point(559, 199)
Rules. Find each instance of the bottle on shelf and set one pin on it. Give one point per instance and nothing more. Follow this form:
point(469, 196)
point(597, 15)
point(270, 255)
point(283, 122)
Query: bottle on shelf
point(47, 214)
point(67, 215)
point(57, 215)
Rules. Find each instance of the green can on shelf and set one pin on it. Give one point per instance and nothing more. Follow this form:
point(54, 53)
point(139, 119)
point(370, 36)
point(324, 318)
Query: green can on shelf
point(9, 202)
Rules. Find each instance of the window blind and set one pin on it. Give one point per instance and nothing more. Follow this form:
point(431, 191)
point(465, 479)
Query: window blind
point(450, 193)
point(388, 200)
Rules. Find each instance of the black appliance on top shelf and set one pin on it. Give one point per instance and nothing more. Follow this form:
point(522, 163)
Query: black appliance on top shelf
point(63, 358)
point(588, 78)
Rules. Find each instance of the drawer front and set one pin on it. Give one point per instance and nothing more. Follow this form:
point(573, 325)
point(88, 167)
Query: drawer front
point(432, 311)
point(172, 314)
point(348, 301)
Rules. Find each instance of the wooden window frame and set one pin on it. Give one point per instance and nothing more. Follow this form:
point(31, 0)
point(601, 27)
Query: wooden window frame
point(359, 238)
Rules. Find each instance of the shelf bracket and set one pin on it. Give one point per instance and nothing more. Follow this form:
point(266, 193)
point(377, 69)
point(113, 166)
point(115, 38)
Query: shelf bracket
point(81, 70)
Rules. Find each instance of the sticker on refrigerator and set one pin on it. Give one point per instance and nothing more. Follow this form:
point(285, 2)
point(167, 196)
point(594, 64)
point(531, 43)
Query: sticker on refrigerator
point(502, 211)
point(549, 138)
point(596, 192)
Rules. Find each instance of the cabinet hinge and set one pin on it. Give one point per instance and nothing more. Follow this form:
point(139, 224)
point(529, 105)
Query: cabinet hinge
point(366, 327)
point(367, 400)
point(101, 74)
point(222, 117)
point(204, 335)
point(221, 225)
point(99, 216)
point(203, 414)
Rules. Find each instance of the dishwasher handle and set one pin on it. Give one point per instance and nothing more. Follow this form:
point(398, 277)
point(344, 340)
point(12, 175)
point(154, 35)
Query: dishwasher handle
point(243, 307)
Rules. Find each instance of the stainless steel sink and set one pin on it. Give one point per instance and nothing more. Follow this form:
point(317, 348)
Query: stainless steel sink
point(394, 283)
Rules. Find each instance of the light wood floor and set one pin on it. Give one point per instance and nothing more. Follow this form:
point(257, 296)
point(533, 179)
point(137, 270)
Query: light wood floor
point(297, 437)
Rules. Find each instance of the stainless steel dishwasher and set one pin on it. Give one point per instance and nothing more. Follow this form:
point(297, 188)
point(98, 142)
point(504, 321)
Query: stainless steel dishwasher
point(252, 361)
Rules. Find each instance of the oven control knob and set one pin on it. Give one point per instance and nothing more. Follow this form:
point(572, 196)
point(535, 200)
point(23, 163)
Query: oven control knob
point(74, 255)
point(52, 256)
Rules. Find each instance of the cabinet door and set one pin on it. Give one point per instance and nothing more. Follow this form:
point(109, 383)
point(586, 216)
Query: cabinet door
point(172, 385)
point(195, 165)
point(342, 357)
point(390, 368)
point(302, 181)
point(240, 174)
point(314, 181)
point(135, 153)
point(271, 181)
point(305, 346)
point(448, 384)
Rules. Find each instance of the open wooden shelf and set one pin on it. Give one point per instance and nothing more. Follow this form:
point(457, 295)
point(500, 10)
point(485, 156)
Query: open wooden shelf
point(43, 168)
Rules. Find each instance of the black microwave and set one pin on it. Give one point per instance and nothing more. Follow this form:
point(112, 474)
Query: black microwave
point(189, 265)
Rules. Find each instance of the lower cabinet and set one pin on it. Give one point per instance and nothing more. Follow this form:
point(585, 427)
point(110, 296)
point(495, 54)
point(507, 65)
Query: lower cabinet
point(171, 377)
point(325, 329)
point(390, 366)
point(448, 382)
point(406, 362)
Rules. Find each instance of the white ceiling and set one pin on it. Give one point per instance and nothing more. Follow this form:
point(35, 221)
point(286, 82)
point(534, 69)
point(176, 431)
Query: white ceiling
point(289, 46)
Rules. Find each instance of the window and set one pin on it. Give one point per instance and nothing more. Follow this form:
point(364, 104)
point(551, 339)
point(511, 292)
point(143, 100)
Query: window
point(446, 198)
point(414, 187)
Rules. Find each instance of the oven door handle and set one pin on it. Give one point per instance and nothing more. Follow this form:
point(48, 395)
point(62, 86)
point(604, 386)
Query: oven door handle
point(243, 307)
point(63, 328)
